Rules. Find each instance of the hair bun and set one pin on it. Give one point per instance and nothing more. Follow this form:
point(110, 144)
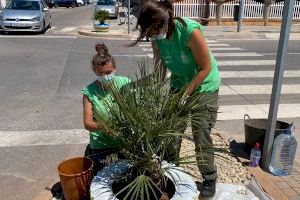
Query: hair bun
point(101, 49)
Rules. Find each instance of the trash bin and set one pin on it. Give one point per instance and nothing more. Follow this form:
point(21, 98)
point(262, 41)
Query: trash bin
point(255, 130)
point(236, 11)
point(75, 176)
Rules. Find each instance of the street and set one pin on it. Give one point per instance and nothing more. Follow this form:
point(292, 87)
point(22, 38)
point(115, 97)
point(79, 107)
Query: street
point(41, 103)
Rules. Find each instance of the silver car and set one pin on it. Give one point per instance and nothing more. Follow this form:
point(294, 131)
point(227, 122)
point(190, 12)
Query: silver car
point(109, 5)
point(25, 15)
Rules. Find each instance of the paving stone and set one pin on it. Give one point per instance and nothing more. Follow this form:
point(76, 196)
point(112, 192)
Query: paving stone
point(290, 193)
point(282, 185)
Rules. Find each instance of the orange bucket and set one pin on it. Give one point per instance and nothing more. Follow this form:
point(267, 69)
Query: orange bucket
point(75, 176)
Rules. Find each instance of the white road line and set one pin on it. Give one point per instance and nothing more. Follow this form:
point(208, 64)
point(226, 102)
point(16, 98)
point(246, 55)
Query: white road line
point(147, 49)
point(233, 112)
point(239, 54)
point(245, 62)
point(219, 45)
point(257, 89)
point(226, 49)
point(142, 55)
point(257, 74)
point(38, 36)
point(274, 54)
point(67, 29)
point(46, 137)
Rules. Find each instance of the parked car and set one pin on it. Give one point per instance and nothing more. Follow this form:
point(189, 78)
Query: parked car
point(50, 3)
point(109, 5)
point(25, 15)
point(79, 3)
point(65, 3)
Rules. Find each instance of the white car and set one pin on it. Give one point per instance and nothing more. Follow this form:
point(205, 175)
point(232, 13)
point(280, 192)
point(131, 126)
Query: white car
point(80, 3)
point(109, 5)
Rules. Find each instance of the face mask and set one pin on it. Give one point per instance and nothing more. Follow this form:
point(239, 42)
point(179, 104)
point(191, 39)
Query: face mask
point(106, 79)
point(160, 36)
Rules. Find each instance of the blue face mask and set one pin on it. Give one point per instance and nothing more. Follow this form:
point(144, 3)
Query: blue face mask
point(106, 79)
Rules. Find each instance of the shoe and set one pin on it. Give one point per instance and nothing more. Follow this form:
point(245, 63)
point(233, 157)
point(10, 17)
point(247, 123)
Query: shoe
point(208, 188)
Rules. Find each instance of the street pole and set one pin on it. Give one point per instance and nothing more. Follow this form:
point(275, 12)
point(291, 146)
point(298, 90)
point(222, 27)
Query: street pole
point(241, 13)
point(287, 18)
point(128, 13)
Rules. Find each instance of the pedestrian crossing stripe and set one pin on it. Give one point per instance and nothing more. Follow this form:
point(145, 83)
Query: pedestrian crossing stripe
point(225, 49)
point(245, 62)
point(236, 112)
point(239, 54)
point(258, 74)
point(68, 29)
point(257, 89)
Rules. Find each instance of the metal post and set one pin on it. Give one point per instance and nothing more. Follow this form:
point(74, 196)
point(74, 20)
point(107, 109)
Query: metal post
point(287, 18)
point(241, 14)
point(128, 13)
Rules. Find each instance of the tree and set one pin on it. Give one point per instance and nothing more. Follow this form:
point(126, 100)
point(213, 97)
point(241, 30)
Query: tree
point(219, 10)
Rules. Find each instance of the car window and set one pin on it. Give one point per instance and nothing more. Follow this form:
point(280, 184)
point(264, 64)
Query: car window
point(23, 5)
point(106, 2)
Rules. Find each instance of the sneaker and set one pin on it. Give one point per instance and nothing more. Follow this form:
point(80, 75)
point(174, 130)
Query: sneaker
point(208, 188)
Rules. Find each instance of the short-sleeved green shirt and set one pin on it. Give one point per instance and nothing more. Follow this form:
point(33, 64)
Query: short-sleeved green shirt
point(97, 96)
point(177, 57)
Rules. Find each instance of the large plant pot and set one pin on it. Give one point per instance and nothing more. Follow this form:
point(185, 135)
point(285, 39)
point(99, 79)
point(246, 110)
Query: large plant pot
point(102, 27)
point(75, 176)
point(101, 186)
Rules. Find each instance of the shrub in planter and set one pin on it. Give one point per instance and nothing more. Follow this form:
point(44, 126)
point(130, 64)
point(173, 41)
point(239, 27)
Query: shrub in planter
point(101, 16)
point(149, 120)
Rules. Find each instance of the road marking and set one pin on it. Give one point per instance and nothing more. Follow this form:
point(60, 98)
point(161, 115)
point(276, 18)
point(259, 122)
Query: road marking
point(258, 74)
point(225, 49)
point(147, 49)
point(257, 89)
point(234, 112)
point(67, 29)
point(219, 45)
point(38, 36)
point(245, 62)
point(45, 137)
point(142, 55)
point(274, 54)
point(239, 54)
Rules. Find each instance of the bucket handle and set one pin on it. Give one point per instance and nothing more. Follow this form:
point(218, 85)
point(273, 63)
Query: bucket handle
point(246, 116)
point(292, 127)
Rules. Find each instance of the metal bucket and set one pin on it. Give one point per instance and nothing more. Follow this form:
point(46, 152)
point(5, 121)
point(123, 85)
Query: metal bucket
point(255, 130)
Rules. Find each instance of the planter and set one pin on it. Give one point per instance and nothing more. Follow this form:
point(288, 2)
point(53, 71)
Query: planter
point(101, 186)
point(101, 27)
point(75, 176)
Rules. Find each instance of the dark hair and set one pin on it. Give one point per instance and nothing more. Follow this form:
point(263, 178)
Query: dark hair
point(155, 13)
point(102, 57)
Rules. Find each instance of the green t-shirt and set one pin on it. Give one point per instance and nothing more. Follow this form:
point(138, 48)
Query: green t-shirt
point(98, 97)
point(177, 57)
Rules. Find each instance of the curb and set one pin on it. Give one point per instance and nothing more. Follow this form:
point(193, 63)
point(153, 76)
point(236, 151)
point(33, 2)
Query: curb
point(98, 34)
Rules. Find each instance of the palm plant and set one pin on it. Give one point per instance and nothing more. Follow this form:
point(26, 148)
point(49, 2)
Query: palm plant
point(101, 16)
point(148, 119)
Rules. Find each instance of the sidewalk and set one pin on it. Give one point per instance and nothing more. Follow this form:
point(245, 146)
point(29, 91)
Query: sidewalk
point(229, 32)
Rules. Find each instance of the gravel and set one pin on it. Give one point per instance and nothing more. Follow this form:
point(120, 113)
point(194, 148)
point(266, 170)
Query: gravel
point(229, 169)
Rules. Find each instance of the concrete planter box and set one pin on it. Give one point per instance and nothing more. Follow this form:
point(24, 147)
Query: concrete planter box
point(101, 27)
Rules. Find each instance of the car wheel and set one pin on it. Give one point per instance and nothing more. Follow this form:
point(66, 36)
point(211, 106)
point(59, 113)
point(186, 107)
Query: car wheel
point(50, 23)
point(73, 5)
point(44, 28)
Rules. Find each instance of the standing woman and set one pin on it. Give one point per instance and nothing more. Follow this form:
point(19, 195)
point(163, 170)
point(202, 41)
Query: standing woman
point(179, 45)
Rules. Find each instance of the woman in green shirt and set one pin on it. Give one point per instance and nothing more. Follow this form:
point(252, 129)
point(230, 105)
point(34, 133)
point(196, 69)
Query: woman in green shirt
point(95, 96)
point(179, 45)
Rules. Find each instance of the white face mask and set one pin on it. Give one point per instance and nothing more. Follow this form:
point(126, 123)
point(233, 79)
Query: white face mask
point(106, 79)
point(160, 36)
